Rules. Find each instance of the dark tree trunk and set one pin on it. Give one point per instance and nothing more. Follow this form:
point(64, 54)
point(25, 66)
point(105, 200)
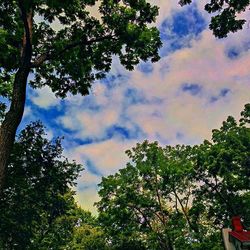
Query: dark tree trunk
point(14, 115)
point(12, 120)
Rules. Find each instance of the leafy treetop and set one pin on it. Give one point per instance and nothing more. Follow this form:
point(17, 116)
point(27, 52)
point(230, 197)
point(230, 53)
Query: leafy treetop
point(180, 197)
point(70, 47)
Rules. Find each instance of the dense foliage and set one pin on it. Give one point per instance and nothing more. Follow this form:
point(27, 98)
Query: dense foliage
point(180, 197)
point(70, 47)
point(37, 205)
point(87, 234)
point(223, 171)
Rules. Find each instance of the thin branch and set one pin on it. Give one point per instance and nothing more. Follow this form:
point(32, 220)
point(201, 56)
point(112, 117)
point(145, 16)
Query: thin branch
point(215, 188)
point(176, 205)
point(184, 211)
point(52, 55)
point(188, 195)
point(163, 220)
point(161, 240)
point(143, 215)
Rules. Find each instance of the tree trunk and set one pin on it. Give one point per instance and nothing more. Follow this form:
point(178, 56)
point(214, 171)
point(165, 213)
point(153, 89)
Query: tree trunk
point(12, 120)
point(14, 115)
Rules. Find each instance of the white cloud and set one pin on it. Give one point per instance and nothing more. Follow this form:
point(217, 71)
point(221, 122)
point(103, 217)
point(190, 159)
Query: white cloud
point(90, 124)
point(205, 63)
point(44, 98)
point(87, 179)
point(107, 156)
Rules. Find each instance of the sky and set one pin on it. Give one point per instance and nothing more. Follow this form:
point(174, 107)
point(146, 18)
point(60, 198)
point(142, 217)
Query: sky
point(199, 81)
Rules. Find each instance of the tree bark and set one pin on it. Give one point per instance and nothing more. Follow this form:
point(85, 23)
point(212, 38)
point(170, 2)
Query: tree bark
point(12, 120)
point(14, 116)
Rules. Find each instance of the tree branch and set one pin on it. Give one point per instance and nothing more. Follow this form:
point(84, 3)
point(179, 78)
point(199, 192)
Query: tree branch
point(52, 55)
point(215, 188)
point(27, 19)
point(188, 195)
point(163, 220)
point(184, 211)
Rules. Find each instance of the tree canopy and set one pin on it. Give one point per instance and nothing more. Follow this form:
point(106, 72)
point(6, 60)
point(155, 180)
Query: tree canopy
point(70, 48)
point(66, 48)
point(180, 197)
point(173, 197)
point(37, 208)
point(225, 19)
point(223, 172)
point(37, 205)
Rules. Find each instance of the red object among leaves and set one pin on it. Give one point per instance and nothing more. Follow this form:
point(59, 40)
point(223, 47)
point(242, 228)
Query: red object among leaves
point(238, 231)
point(237, 225)
point(243, 236)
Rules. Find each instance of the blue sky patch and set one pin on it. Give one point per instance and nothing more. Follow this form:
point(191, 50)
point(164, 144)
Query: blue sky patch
point(146, 67)
point(123, 132)
point(112, 80)
point(85, 141)
point(223, 93)
point(233, 53)
point(188, 21)
point(134, 96)
point(179, 135)
point(48, 115)
point(89, 102)
point(178, 31)
point(192, 88)
point(118, 130)
point(92, 168)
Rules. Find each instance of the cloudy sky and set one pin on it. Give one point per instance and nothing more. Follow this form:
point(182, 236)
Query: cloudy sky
point(198, 82)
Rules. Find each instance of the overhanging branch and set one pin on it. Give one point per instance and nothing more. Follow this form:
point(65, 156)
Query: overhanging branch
point(50, 55)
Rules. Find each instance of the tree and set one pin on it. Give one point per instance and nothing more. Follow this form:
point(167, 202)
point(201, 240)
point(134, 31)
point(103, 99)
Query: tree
point(88, 237)
point(87, 234)
point(223, 172)
point(70, 57)
point(180, 197)
point(226, 20)
point(37, 207)
point(150, 200)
